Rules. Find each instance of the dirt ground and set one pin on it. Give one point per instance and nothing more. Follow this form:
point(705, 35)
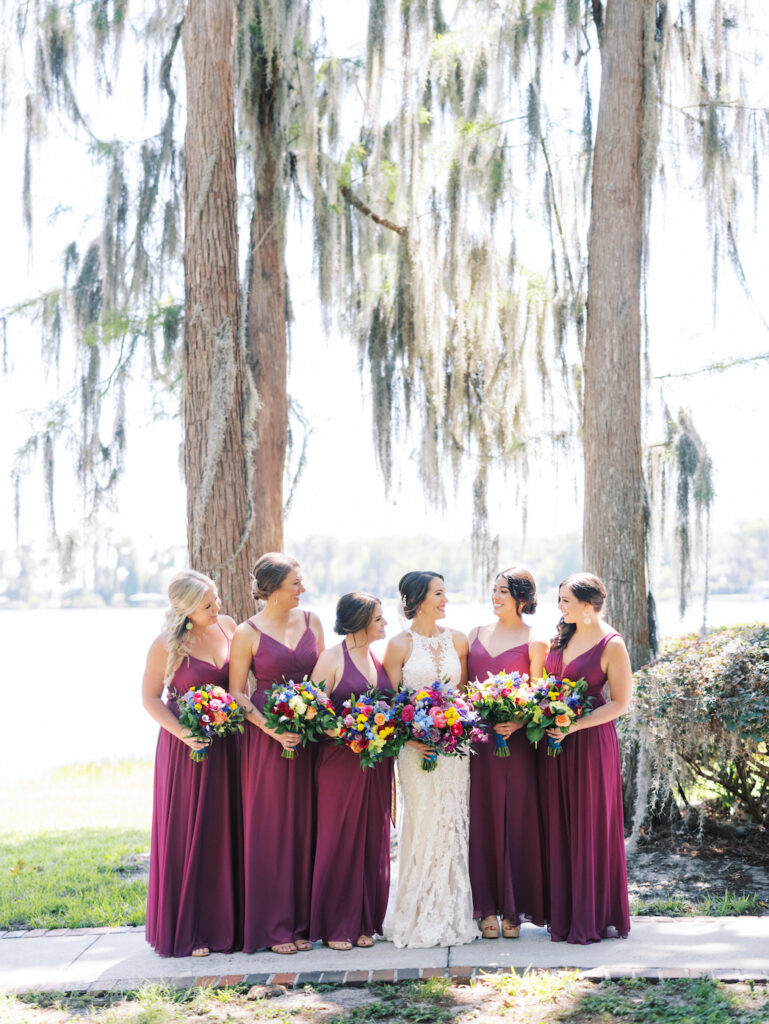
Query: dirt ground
point(682, 864)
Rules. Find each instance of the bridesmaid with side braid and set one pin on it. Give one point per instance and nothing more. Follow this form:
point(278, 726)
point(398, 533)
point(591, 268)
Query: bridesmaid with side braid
point(279, 643)
point(506, 848)
point(581, 789)
point(196, 871)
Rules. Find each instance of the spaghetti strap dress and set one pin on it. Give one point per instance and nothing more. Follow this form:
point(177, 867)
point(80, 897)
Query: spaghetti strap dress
point(581, 799)
point(351, 877)
point(194, 896)
point(278, 809)
point(506, 844)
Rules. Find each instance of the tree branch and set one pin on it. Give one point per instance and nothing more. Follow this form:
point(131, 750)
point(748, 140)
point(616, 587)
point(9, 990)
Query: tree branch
point(368, 212)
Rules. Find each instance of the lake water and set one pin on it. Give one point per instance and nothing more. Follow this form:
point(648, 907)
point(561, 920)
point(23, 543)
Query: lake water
point(73, 677)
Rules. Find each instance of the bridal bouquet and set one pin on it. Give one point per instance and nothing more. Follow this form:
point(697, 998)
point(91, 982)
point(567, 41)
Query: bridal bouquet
point(555, 703)
point(438, 716)
point(209, 712)
point(368, 726)
point(301, 707)
point(500, 698)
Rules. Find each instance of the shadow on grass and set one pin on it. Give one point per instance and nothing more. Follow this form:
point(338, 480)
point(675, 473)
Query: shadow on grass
point(75, 879)
point(536, 997)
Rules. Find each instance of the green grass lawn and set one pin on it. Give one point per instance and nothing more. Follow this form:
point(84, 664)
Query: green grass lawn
point(536, 997)
point(71, 846)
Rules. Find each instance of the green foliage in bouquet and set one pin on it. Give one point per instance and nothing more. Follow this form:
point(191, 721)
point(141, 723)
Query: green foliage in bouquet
point(702, 710)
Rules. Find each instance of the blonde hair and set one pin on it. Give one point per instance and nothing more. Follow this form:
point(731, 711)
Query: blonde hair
point(185, 592)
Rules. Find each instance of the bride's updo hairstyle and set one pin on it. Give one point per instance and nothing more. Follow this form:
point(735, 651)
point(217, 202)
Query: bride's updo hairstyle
point(269, 572)
point(413, 589)
point(585, 587)
point(354, 612)
point(185, 592)
point(523, 589)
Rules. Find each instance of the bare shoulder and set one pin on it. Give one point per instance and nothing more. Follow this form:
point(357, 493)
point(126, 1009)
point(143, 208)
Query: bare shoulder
point(460, 640)
point(229, 625)
point(474, 633)
point(399, 644)
point(330, 658)
point(158, 650)
point(315, 623)
point(246, 628)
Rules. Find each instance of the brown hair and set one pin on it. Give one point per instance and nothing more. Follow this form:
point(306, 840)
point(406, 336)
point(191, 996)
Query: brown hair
point(522, 589)
point(413, 589)
point(269, 572)
point(354, 612)
point(585, 587)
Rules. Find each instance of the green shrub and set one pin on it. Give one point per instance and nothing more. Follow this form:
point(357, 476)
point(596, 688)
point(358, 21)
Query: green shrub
point(701, 712)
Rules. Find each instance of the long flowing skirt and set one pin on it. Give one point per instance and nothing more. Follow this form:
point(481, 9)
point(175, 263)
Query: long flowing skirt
point(196, 861)
point(581, 799)
point(351, 875)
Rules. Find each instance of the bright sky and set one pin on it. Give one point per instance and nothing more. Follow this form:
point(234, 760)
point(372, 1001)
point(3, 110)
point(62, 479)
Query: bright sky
point(341, 492)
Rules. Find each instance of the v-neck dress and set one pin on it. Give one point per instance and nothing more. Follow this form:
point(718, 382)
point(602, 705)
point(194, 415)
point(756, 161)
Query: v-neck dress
point(581, 798)
point(194, 896)
point(351, 877)
point(506, 846)
point(278, 809)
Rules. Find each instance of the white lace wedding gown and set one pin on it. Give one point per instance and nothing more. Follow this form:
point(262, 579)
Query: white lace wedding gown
point(433, 903)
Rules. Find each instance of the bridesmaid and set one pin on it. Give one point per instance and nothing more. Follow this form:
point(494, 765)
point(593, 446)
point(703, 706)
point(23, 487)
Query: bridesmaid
point(194, 895)
point(581, 789)
point(279, 643)
point(351, 877)
point(506, 855)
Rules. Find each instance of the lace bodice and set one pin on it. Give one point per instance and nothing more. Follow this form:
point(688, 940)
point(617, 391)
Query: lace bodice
point(431, 658)
point(432, 904)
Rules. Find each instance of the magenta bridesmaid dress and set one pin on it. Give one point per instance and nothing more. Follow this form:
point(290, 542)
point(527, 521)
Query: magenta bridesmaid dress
point(278, 809)
point(196, 868)
point(506, 847)
point(581, 796)
point(351, 878)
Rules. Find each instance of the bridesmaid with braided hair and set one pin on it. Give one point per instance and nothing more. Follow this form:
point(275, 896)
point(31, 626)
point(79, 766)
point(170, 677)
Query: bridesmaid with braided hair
point(506, 847)
point(196, 871)
point(581, 789)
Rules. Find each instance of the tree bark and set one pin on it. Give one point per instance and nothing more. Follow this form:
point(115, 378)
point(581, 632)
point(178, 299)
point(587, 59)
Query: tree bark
point(613, 529)
point(215, 449)
point(266, 331)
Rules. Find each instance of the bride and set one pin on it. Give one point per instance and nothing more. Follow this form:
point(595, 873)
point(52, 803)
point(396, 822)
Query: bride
point(433, 904)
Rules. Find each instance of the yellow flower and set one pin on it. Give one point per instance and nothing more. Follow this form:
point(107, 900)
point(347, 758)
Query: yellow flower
point(421, 695)
point(198, 707)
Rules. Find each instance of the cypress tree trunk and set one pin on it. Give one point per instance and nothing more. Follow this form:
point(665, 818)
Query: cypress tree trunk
point(266, 327)
point(215, 452)
point(613, 529)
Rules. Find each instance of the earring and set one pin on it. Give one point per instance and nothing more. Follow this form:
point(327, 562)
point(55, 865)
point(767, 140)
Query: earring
point(188, 624)
point(587, 620)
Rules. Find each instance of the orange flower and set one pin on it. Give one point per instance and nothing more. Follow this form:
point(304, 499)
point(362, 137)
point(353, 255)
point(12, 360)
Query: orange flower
point(561, 720)
point(311, 712)
point(220, 717)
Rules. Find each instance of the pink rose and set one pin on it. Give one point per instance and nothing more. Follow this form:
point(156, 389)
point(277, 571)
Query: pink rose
point(407, 713)
point(438, 717)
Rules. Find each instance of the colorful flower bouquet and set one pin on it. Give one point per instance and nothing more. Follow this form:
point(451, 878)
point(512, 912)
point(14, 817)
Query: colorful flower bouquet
point(368, 726)
point(500, 698)
point(555, 703)
point(209, 712)
point(301, 707)
point(438, 716)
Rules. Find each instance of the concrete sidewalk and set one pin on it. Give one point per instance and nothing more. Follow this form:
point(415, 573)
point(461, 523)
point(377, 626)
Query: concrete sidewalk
point(99, 959)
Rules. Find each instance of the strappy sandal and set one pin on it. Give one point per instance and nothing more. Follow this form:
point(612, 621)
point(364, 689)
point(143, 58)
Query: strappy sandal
point(342, 946)
point(201, 951)
point(303, 945)
point(284, 948)
point(510, 930)
point(489, 928)
point(364, 941)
